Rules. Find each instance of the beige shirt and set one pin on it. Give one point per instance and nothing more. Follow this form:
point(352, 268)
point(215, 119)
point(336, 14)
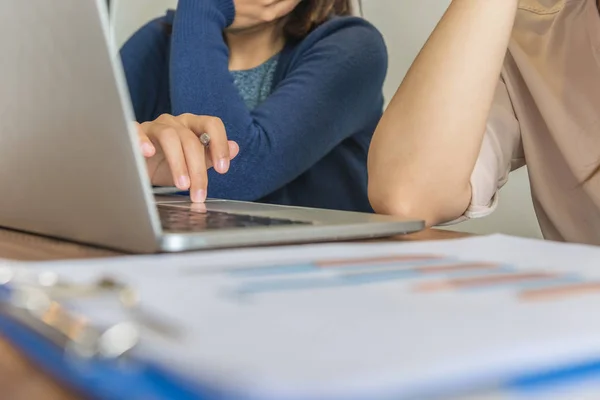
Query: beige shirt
point(546, 114)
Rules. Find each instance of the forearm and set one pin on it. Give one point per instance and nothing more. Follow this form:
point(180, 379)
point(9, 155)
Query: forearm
point(427, 143)
point(199, 65)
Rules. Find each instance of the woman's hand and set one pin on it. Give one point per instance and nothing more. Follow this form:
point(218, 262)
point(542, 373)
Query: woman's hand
point(249, 13)
point(175, 155)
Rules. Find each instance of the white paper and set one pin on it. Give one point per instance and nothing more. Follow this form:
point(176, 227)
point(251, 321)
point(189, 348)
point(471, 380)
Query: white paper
point(383, 329)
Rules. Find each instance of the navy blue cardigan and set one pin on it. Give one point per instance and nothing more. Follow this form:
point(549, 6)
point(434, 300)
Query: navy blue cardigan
point(307, 144)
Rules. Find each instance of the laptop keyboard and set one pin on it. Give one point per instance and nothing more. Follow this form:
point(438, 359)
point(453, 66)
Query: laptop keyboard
point(175, 219)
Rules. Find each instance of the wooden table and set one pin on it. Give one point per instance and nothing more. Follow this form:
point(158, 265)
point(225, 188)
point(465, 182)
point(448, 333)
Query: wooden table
point(19, 379)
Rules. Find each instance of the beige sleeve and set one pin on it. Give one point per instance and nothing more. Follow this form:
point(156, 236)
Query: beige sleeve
point(501, 152)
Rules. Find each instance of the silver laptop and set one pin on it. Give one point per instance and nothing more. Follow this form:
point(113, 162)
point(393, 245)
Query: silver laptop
point(69, 161)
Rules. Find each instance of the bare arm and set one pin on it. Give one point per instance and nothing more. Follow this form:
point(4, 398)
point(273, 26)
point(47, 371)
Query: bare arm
point(427, 143)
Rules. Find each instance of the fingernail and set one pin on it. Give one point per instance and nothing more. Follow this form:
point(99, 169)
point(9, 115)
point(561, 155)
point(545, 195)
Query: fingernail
point(183, 182)
point(200, 196)
point(222, 165)
point(147, 148)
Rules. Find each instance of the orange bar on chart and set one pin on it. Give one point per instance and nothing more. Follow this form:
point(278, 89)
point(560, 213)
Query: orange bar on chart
point(556, 292)
point(376, 260)
point(455, 267)
point(482, 281)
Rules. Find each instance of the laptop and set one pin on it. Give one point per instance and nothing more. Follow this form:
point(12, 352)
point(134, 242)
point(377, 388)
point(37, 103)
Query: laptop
point(70, 166)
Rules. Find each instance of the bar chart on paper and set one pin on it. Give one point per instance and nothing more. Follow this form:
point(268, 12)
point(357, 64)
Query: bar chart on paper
point(422, 272)
point(409, 318)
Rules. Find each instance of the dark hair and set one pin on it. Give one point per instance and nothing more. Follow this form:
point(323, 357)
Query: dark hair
point(309, 14)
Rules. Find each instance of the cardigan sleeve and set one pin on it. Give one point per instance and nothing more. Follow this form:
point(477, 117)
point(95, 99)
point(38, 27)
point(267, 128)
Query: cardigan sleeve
point(334, 78)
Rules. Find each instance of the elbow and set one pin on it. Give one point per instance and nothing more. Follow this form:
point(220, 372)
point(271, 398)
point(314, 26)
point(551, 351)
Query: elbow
point(401, 202)
point(431, 197)
point(412, 202)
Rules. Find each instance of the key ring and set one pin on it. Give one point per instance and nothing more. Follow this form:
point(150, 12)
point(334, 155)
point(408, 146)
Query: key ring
point(39, 295)
point(34, 308)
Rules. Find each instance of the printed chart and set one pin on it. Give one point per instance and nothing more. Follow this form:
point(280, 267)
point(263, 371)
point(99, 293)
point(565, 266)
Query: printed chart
point(429, 272)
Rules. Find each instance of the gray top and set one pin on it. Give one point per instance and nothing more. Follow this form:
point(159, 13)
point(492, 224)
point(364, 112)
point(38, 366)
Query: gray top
point(255, 84)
